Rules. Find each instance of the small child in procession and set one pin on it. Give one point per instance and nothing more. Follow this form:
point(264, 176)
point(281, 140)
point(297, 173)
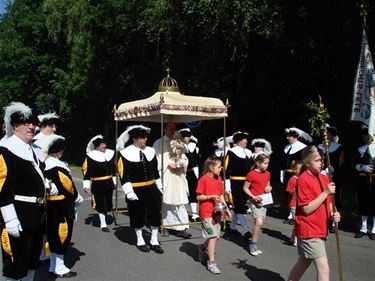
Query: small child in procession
point(210, 192)
point(314, 209)
point(257, 183)
point(291, 190)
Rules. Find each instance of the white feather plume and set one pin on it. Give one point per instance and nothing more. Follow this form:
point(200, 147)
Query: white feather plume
point(90, 146)
point(301, 134)
point(9, 110)
point(124, 137)
point(267, 145)
point(47, 116)
point(46, 141)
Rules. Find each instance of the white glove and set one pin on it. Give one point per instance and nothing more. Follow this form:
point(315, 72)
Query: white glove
point(13, 228)
point(12, 224)
point(159, 185)
point(132, 196)
point(114, 180)
point(227, 186)
point(78, 200)
point(368, 168)
point(196, 171)
point(53, 189)
point(282, 174)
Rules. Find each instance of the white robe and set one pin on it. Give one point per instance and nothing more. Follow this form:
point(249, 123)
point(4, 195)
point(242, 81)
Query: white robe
point(175, 188)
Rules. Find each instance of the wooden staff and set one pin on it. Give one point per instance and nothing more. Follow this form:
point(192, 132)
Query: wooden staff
point(326, 146)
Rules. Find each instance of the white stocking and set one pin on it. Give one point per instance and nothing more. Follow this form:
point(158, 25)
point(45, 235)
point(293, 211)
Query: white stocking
point(102, 220)
point(140, 240)
point(364, 224)
point(154, 235)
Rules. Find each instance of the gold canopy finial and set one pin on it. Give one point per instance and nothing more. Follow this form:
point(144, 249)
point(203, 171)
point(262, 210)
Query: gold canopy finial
point(168, 83)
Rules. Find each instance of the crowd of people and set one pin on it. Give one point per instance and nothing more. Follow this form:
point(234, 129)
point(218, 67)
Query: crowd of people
point(165, 191)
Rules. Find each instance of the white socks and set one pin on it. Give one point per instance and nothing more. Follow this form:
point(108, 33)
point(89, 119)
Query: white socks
point(194, 210)
point(102, 220)
point(140, 240)
point(364, 224)
point(154, 235)
point(373, 225)
point(243, 221)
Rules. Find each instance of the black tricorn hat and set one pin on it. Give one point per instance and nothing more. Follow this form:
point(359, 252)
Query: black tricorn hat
point(237, 136)
point(185, 132)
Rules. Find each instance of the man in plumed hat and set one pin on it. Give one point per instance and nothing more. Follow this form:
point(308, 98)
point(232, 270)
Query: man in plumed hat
point(62, 200)
point(22, 190)
point(336, 157)
point(292, 153)
point(47, 124)
point(364, 165)
point(140, 180)
point(238, 164)
point(99, 177)
point(192, 172)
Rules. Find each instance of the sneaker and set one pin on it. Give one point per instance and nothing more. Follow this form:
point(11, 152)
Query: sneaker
point(259, 251)
point(254, 249)
point(202, 253)
point(212, 267)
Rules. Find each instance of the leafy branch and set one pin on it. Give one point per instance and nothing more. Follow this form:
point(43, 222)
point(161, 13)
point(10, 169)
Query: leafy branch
point(319, 119)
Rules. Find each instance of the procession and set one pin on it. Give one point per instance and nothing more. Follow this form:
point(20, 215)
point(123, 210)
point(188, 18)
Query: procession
point(168, 187)
point(257, 165)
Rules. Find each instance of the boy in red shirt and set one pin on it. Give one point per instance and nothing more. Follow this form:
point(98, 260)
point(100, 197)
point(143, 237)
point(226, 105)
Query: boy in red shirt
point(314, 209)
point(212, 205)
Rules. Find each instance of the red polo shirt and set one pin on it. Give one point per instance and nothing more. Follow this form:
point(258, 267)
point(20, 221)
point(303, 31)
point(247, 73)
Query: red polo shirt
point(209, 186)
point(258, 181)
point(314, 225)
point(292, 185)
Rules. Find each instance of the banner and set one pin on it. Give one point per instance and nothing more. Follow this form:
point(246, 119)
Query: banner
point(363, 108)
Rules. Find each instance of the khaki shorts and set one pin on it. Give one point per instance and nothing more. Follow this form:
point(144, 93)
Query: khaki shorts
point(311, 248)
point(258, 212)
point(211, 227)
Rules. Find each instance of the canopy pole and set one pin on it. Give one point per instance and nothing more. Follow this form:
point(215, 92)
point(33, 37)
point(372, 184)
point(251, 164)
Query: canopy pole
point(162, 169)
point(116, 170)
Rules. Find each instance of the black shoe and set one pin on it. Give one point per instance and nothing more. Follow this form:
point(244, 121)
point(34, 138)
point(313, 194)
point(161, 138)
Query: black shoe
point(143, 248)
point(66, 275)
point(291, 222)
point(157, 249)
point(51, 274)
point(165, 232)
point(372, 236)
point(183, 234)
point(233, 231)
point(105, 229)
point(286, 221)
point(360, 234)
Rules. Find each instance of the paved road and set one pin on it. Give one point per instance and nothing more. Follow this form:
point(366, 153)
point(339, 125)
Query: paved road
point(96, 255)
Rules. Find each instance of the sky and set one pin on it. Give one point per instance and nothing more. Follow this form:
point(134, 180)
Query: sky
point(2, 6)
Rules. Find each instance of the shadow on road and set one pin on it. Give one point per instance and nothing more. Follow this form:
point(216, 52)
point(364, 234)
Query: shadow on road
point(276, 234)
point(257, 274)
point(190, 249)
